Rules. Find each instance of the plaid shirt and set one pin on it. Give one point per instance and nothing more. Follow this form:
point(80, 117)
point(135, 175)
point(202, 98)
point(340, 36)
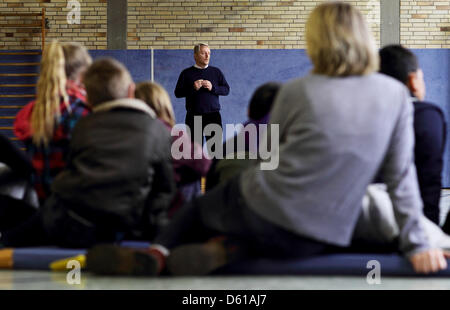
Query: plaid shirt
point(50, 160)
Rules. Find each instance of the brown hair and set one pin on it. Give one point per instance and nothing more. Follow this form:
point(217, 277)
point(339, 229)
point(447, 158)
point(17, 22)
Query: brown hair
point(339, 42)
point(106, 80)
point(60, 62)
point(77, 59)
point(158, 99)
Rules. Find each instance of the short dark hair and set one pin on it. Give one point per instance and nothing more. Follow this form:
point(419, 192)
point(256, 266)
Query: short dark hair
point(262, 100)
point(398, 62)
point(105, 80)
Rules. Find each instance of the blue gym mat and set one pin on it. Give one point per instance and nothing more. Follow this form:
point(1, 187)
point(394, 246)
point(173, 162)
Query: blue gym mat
point(331, 264)
point(40, 258)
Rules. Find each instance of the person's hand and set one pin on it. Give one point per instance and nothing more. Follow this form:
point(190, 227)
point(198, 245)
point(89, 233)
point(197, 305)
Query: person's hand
point(198, 84)
point(207, 84)
point(429, 261)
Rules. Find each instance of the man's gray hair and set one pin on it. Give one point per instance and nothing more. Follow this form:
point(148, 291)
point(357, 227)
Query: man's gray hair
point(198, 46)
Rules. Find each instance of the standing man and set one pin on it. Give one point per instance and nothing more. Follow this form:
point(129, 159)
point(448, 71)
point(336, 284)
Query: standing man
point(202, 85)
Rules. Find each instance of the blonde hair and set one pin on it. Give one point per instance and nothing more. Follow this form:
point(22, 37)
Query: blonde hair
point(198, 46)
point(339, 42)
point(60, 62)
point(158, 99)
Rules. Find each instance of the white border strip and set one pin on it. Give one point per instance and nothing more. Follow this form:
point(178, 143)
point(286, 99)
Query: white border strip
point(152, 70)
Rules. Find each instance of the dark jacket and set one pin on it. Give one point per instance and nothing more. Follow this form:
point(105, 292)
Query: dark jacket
point(119, 178)
point(430, 131)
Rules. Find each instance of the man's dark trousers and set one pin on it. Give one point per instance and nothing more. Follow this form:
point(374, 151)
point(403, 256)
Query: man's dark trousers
point(208, 118)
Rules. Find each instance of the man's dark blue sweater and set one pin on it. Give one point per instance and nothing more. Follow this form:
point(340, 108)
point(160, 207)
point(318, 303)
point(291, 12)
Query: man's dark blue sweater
point(201, 101)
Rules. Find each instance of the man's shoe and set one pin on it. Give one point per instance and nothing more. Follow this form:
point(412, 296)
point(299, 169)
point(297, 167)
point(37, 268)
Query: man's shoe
point(197, 259)
point(115, 260)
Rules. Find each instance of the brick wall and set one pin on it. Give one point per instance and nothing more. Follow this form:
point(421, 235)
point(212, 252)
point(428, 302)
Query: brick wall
point(91, 31)
point(425, 24)
point(227, 24)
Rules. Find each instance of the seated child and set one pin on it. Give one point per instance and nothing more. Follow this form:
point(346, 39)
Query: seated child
point(18, 199)
point(258, 114)
point(45, 125)
point(429, 125)
point(188, 171)
point(118, 181)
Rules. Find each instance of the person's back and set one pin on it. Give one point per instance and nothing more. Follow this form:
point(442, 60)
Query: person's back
point(119, 179)
point(45, 125)
point(338, 130)
point(111, 163)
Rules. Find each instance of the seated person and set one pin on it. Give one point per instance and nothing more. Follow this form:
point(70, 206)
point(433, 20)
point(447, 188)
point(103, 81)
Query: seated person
point(429, 125)
point(18, 199)
point(45, 125)
point(258, 114)
point(118, 181)
point(338, 126)
point(14, 158)
point(188, 171)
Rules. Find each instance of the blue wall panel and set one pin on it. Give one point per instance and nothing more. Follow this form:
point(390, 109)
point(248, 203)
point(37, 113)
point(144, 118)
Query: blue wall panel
point(435, 64)
point(244, 70)
point(247, 69)
point(138, 62)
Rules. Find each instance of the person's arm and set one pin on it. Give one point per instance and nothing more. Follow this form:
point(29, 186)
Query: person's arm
point(399, 174)
point(222, 88)
point(429, 128)
point(183, 87)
